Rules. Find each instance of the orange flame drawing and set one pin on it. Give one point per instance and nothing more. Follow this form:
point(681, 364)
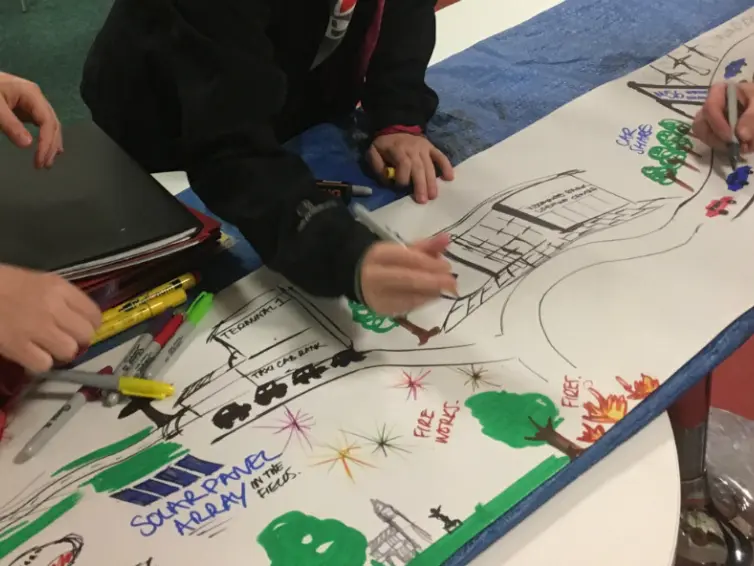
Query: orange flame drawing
point(642, 388)
point(591, 434)
point(608, 411)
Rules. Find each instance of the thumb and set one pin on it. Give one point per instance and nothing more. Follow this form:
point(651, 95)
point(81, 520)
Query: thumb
point(433, 246)
point(12, 126)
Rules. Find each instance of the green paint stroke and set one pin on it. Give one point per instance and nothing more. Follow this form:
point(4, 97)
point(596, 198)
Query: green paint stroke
point(304, 540)
point(105, 451)
point(10, 543)
point(9, 530)
point(507, 417)
point(484, 515)
point(136, 467)
point(369, 320)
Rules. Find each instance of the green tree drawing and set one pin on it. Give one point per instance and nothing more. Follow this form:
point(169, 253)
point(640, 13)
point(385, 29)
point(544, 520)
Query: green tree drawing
point(303, 540)
point(521, 420)
point(369, 320)
point(671, 154)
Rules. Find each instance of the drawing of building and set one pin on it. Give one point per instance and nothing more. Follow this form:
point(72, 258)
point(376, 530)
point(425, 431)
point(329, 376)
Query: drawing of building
point(512, 233)
point(393, 546)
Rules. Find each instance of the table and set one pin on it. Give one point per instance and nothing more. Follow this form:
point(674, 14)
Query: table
point(624, 511)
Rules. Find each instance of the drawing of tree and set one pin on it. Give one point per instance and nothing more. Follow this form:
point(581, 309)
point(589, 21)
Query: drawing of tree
point(304, 540)
point(521, 420)
point(671, 154)
point(369, 320)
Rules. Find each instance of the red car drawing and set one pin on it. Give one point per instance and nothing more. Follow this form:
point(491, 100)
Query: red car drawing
point(719, 206)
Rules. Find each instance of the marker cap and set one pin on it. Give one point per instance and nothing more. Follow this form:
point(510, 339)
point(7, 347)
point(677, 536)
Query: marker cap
point(201, 305)
point(136, 387)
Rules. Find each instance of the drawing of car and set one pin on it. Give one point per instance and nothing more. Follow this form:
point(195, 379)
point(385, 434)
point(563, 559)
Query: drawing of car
point(739, 178)
point(266, 392)
point(719, 206)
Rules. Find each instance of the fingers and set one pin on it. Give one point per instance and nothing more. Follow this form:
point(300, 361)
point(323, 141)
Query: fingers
point(440, 159)
point(402, 169)
point(82, 305)
point(376, 162)
point(12, 127)
point(745, 126)
point(35, 106)
point(29, 355)
point(413, 281)
point(429, 174)
point(409, 257)
point(433, 246)
point(714, 113)
point(58, 344)
point(419, 178)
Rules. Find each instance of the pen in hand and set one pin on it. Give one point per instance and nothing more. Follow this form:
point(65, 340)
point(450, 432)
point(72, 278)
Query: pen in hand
point(734, 146)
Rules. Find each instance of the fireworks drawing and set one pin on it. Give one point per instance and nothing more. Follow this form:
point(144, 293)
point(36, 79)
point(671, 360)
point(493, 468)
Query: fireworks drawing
point(475, 377)
point(412, 384)
point(298, 424)
point(344, 456)
point(382, 440)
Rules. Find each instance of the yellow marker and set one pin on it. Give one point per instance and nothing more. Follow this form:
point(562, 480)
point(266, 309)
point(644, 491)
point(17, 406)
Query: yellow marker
point(137, 387)
point(390, 173)
point(129, 386)
point(148, 310)
point(185, 282)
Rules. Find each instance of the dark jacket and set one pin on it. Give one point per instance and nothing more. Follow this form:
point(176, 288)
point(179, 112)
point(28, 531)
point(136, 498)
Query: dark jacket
point(214, 87)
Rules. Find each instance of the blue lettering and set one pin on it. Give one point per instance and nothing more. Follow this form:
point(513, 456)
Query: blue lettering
point(209, 487)
point(181, 527)
point(139, 521)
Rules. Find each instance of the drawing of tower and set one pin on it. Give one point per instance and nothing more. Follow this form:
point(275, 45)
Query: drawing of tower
point(394, 543)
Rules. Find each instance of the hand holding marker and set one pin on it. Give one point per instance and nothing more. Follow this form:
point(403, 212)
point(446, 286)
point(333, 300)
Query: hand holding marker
point(180, 340)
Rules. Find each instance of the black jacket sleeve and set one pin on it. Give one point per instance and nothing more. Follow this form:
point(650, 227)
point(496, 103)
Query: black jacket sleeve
point(395, 91)
point(229, 89)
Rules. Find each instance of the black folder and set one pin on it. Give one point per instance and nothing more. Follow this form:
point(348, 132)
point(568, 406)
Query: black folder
point(94, 206)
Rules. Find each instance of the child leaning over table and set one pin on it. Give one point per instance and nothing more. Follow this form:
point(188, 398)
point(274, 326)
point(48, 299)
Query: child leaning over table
point(214, 88)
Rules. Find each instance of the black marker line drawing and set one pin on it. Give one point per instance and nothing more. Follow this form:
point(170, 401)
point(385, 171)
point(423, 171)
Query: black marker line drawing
point(694, 49)
point(448, 524)
point(382, 440)
point(542, 299)
point(675, 98)
point(686, 98)
point(61, 552)
point(515, 231)
point(475, 377)
point(395, 543)
point(670, 77)
point(684, 62)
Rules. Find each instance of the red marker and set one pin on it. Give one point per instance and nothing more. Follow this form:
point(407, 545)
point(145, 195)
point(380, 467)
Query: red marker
point(157, 343)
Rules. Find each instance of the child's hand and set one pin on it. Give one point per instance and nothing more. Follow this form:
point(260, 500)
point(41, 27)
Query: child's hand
point(43, 318)
point(711, 122)
point(21, 100)
point(414, 159)
point(397, 279)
